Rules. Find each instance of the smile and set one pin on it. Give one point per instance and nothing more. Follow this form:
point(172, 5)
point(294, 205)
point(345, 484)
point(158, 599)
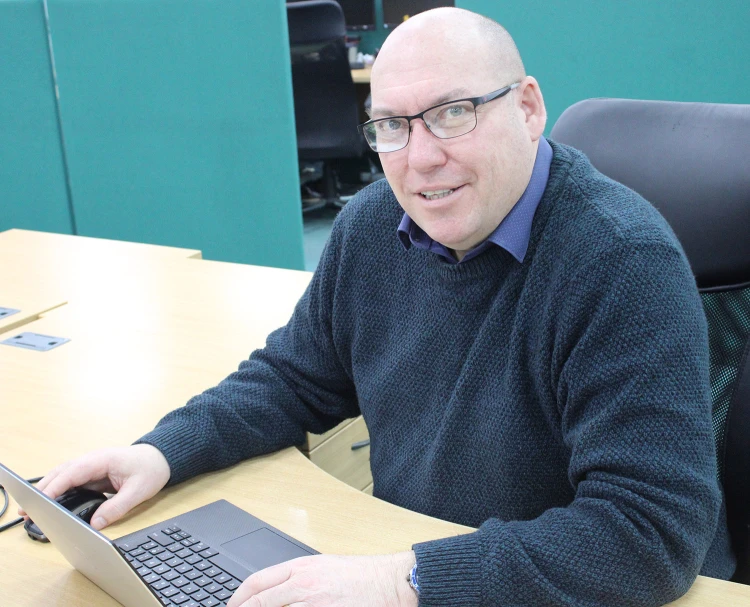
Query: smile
point(438, 194)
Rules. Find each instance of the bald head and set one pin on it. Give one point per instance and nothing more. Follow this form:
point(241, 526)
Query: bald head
point(465, 37)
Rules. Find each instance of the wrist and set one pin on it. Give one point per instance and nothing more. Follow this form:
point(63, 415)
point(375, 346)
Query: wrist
point(403, 563)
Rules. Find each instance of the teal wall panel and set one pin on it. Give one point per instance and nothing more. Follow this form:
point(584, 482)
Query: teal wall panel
point(695, 50)
point(179, 124)
point(32, 178)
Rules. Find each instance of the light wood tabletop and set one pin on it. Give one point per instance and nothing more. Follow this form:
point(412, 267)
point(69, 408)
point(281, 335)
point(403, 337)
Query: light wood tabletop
point(147, 339)
point(361, 76)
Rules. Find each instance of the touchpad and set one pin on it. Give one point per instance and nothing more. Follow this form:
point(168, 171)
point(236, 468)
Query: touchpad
point(263, 548)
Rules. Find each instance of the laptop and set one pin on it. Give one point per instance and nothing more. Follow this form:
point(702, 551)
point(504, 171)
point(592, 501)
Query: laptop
point(195, 559)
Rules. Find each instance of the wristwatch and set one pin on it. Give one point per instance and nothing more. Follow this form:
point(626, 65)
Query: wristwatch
point(413, 579)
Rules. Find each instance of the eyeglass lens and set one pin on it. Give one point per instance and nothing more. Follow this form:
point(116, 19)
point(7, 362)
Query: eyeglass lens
point(445, 121)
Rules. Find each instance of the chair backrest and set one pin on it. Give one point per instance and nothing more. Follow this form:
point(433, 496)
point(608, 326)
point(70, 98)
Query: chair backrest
point(690, 161)
point(325, 99)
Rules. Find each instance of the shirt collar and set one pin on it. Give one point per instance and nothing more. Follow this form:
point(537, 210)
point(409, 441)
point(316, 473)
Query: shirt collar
point(514, 231)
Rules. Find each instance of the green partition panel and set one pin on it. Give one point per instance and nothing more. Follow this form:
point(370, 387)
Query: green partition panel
point(179, 124)
point(695, 50)
point(32, 178)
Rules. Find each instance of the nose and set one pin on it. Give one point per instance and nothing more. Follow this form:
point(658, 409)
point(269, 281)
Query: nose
point(425, 150)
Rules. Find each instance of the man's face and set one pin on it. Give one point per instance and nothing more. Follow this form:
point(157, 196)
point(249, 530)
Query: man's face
point(486, 170)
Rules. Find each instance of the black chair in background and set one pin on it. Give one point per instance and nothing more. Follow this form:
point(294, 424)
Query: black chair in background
point(325, 100)
point(690, 160)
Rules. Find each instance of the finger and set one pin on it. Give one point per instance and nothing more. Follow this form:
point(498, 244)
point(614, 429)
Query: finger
point(51, 475)
point(258, 582)
point(127, 498)
point(41, 485)
point(77, 474)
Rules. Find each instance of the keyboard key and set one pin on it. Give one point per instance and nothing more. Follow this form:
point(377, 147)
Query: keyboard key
point(184, 553)
point(212, 588)
point(175, 562)
point(170, 575)
point(179, 582)
point(151, 578)
point(184, 568)
point(212, 602)
point(189, 542)
point(192, 603)
point(148, 545)
point(160, 585)
point(161, 569)
point(202, 566)
point(165, 601)
point(179, 599)
point(202, 581)
point(136, 552)
point(169, 592)
point(200, 596)
point(142, 558)
point(160, 538)
point(223, 578)
point(198, 547)
point(233, 585)
point(190, 589)
point(143, 571)
point(192, 560)
point(176, 547)
point(223, 595)
point(165, 556)
point(152, 563)
point(208, 553)
point(173, 529)
point(157, 550)
point(183, 535)
point(191, 575)
point(212, 572)
point(129, 558)
point(126, 546)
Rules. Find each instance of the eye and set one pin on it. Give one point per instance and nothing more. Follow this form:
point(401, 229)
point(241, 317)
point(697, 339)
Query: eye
point(389, 126)
point(455, 111)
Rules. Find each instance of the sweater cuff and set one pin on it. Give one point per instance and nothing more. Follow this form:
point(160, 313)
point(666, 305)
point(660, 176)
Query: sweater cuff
point(181, 447)
point(449, 571)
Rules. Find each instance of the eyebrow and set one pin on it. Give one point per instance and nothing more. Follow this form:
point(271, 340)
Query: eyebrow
point(452, 95)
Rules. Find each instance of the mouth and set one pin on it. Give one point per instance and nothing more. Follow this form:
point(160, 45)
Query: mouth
point(438, 194)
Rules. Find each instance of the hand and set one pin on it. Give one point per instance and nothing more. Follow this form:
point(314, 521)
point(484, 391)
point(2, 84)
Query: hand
point(331, 581)
point(134, 474)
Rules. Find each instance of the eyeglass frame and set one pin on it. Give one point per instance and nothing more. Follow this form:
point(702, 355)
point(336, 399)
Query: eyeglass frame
point(475, 101)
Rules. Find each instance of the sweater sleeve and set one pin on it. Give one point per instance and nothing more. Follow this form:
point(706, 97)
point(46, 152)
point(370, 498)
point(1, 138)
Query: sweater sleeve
point(630, 368)
point(295, 384)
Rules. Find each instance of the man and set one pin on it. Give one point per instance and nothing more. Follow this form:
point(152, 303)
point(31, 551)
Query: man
point(523, 337)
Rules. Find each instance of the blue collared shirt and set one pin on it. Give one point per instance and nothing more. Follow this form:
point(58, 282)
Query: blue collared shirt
point(514, 230)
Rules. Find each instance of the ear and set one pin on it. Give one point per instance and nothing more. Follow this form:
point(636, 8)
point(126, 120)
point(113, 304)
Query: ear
point(532, 104)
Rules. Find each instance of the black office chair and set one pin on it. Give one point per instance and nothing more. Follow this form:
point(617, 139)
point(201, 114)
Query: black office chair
point(325, 100)
point(691, 161)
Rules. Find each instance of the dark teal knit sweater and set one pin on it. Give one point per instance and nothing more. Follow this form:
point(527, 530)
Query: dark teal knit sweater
point(561, 404)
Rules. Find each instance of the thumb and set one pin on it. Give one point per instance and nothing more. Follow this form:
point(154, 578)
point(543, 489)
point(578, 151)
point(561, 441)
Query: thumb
point(116, 507)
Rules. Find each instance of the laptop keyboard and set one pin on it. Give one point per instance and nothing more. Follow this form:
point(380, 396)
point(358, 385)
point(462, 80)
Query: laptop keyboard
point(180, 568)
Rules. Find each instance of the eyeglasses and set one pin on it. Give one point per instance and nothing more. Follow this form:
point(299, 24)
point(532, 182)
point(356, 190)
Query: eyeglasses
point(445, 121)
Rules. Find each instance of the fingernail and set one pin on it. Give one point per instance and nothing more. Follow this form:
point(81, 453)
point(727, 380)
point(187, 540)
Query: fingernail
point(99, 523)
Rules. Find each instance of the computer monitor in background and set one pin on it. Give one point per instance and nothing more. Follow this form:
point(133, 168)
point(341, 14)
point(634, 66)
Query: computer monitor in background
point(394, 11)
point(358, 14)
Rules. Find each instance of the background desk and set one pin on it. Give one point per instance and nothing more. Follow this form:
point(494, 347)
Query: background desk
point(361, 76)
point(121, 372)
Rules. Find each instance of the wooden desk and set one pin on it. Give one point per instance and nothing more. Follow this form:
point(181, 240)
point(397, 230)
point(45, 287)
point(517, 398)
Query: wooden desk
point(361, 76)
point(29, 306)
point(105, 389)
point(16, 243)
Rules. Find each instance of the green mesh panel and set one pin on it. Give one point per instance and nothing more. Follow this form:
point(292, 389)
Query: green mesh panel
point(728, 315)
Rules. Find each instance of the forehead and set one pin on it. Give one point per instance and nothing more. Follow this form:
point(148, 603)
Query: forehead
point(418, 79)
